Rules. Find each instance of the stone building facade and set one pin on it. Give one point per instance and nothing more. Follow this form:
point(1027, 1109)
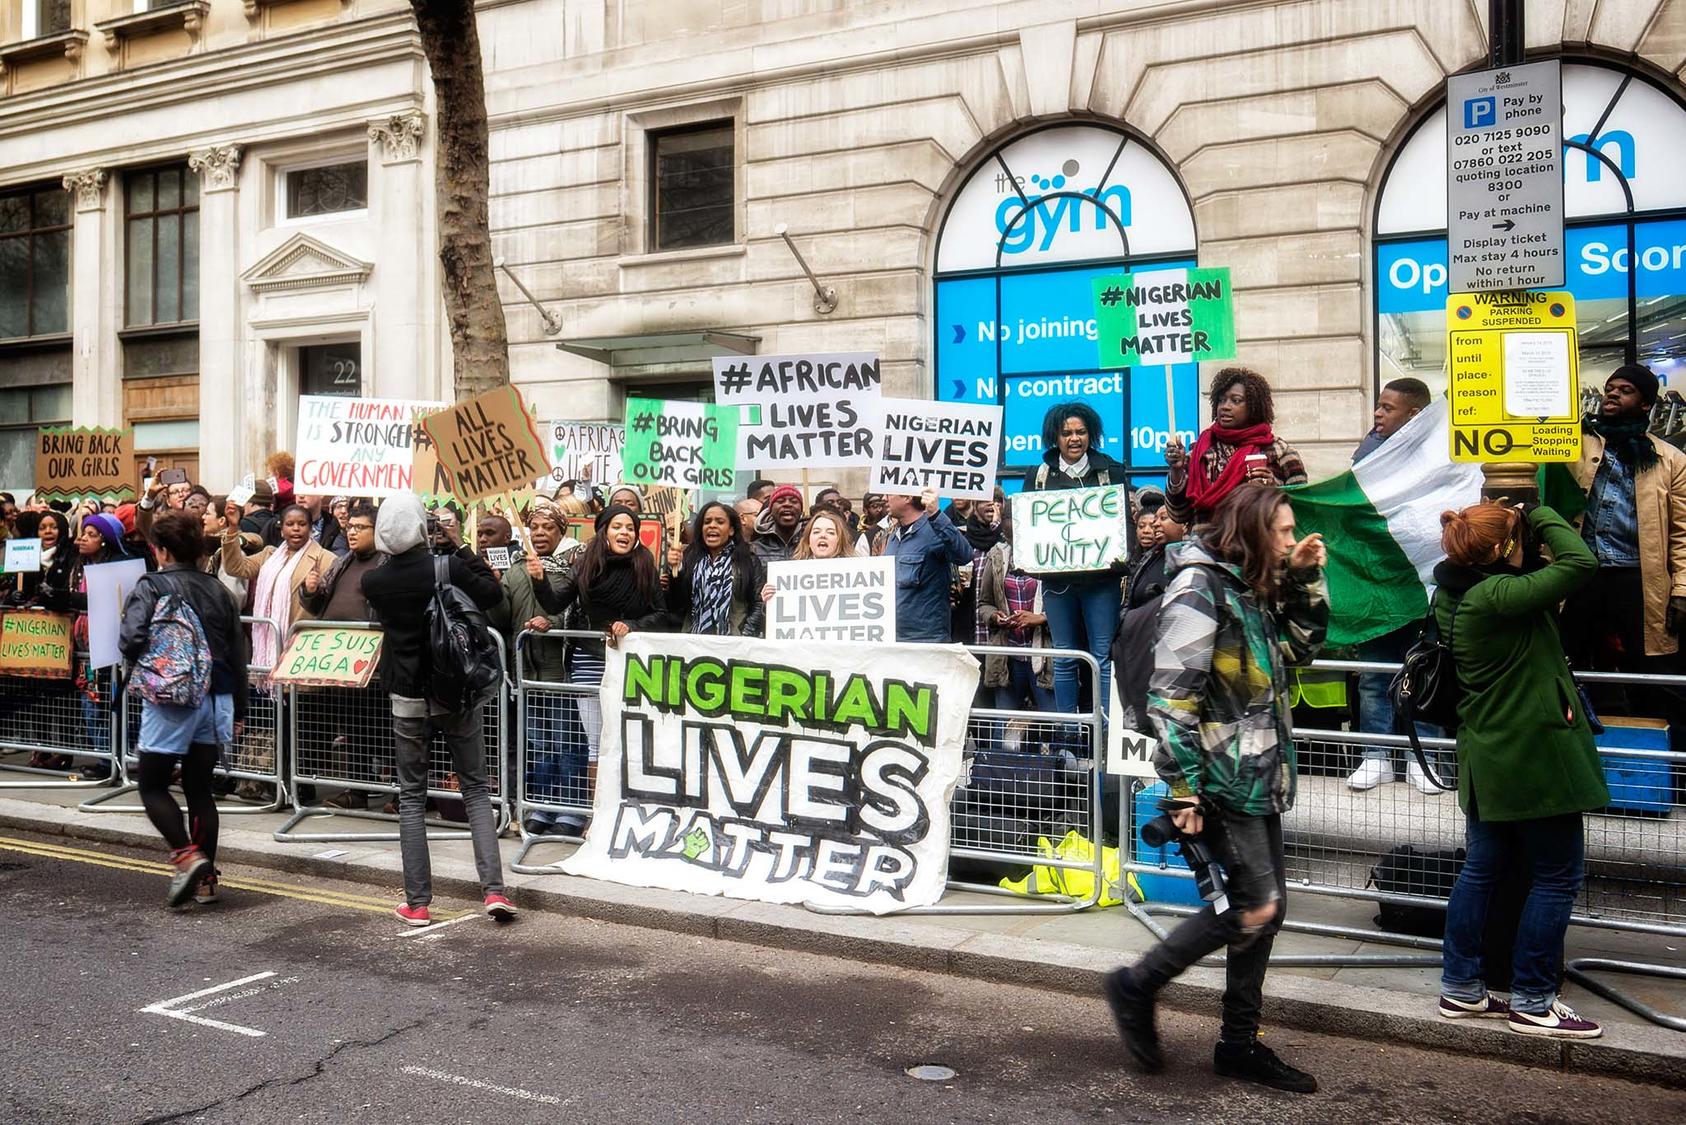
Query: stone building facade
point(667, 172)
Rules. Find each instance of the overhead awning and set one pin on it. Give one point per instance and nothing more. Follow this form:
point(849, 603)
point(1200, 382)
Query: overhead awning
point(652, 349)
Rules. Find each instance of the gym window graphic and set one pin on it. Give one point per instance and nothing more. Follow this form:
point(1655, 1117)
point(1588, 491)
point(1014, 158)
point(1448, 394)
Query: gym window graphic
point(1624, 202)
point(1035, 221)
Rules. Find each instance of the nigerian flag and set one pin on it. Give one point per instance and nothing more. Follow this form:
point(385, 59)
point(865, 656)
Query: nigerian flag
point(1381, 522)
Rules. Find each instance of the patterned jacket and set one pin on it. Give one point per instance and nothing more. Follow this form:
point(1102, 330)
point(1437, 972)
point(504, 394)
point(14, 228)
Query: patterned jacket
point(1218, 697)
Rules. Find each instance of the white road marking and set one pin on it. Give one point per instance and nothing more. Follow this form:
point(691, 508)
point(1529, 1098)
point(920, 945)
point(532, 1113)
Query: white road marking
point(429, 931)
point(476, 1084)
point(166, 1007)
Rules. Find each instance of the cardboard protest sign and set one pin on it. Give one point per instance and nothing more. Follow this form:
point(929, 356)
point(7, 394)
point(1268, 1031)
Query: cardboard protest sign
point(802, 411)
point(1163, 317)
point(952, 447)
point(329, 656)
point(489, 445)
point(428, 478)
point(1070, 529)
point(1129, 753)
point(23, 556)
point(109, 587)
point(682, 444)
point(727, 769)
point(79, 462)
point(833, 600)
point(356, 446)
point(586, 451)
point(36, 644)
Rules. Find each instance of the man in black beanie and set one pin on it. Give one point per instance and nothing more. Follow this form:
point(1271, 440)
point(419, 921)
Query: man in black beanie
point(1630, 617)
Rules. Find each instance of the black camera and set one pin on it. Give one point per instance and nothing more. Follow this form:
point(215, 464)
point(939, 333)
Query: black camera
point(1208, 872)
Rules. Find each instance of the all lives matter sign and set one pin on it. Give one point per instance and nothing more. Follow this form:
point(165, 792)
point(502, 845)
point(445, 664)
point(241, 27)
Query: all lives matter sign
point(1504, 178)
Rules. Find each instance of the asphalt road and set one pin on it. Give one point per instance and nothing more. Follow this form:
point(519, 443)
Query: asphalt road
point(320, 1011)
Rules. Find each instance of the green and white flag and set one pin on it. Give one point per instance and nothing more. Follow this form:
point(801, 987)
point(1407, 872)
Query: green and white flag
point(1381, 522)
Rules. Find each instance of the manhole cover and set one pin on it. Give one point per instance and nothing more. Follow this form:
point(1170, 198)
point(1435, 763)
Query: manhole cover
point(930, 1073)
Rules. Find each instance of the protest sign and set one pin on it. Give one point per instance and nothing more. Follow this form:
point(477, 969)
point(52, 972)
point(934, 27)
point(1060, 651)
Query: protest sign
point(497, 558)
point(109, 586)
point(356, 446)
point(1164, 317)
point(1070, 529)
point(489, 445)
point(586, 451)
point(801, 411)
point(23, 556)
point(1129, 753)
point(952, 447)
point(727, 770)
point(329, 657)
point(832, 600)
point(682, 444)
point(79, 462)
point(33, 643)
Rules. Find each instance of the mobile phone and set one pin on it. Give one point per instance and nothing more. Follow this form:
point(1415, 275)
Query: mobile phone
point(173, 476)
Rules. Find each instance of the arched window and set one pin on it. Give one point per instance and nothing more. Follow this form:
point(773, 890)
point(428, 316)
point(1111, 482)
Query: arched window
point(1014, 321)
point(1625, 200)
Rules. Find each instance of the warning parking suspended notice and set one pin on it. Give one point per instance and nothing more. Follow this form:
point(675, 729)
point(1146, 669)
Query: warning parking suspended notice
point(1513, 383)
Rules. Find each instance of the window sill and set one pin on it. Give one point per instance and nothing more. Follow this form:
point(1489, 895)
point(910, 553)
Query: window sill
point(254, 8)
point(30, 343)
point(360, 215)
point(70, 44)
point(690, 254)
point(189, 16)
point(149, 331)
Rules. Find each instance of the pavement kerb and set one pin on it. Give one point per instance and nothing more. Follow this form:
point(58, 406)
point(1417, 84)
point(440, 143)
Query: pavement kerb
point(1638, 1052)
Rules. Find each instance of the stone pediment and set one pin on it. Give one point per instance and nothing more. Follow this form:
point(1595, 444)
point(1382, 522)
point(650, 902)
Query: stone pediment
point(303, 262)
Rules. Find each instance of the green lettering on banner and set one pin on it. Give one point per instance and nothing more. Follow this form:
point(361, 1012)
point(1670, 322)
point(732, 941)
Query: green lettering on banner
point(1163, 317)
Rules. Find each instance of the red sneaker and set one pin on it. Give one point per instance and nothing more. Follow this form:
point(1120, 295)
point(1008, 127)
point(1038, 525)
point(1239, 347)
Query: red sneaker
point(414, 915)
point(500, 908)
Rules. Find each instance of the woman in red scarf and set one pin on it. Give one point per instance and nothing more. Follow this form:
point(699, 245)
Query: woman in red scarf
point(1237, 446)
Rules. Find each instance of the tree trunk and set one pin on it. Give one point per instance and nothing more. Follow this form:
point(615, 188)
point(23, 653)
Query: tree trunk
point(479, 342)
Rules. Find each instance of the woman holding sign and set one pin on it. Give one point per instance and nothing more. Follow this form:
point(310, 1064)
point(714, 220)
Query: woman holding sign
point(1081, 606)
point(1238, 446)
point(278, 578)
point(717, 589)
point(825, 536)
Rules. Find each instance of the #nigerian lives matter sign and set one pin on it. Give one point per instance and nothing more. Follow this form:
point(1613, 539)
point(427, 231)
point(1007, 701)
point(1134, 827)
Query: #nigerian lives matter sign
point(1164, 317)
point(849, 599)
point(951, 447)
point(357, 446)
point(730, 769)
point(801, 411)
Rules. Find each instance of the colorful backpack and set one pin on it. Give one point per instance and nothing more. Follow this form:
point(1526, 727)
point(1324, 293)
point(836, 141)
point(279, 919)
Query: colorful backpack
point(175, 669)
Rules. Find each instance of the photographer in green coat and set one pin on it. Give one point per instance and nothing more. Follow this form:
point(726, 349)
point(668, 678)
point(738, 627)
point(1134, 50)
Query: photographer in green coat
point(1527, 766)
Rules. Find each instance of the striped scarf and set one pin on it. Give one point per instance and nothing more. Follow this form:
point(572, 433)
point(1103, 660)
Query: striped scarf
point(711, 594)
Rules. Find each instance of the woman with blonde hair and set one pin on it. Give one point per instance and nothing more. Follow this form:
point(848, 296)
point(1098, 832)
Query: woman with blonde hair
point(826, 535)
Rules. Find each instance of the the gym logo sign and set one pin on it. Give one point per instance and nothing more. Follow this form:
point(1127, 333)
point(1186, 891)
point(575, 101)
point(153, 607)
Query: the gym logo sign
point(1050, 210)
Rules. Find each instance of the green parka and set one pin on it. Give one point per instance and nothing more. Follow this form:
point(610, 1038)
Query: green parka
point(1524, 748)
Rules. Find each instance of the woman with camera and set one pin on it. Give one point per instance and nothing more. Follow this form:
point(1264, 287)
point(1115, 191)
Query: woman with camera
point(1527, 766)
point(1244, 601)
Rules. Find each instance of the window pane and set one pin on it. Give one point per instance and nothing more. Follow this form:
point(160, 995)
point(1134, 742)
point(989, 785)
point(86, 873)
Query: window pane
point(190, 191)
point(331, 369)
point(55, 16)
point(14, 407)
point(14, 213)
point(52, 209)
point(169, 189)
point(171, 355)
point(52, 283)
point(190, 266)
point(140, 192)
point(323, 191)
point(139, 253)
point(693, 188)
point(50, 404)
point(167, 435)
point(168, 275)
point(17, 460)
point(14, 287)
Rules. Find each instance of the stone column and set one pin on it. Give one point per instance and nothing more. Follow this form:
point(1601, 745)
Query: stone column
point(95, 305)
point(405, 262)
point(223, 417)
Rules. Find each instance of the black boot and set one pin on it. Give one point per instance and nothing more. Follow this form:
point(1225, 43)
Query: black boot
point(1254, 1062)
point(1132, 1007)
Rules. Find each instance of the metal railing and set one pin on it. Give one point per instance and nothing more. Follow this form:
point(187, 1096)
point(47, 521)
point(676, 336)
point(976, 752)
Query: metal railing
point(68, 718)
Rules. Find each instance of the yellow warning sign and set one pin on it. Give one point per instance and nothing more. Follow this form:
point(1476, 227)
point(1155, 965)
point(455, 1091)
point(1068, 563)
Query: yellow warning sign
point(1513, 376)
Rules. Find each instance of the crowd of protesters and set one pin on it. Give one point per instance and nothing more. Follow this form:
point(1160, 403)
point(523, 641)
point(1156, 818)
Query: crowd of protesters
point(1199, 628)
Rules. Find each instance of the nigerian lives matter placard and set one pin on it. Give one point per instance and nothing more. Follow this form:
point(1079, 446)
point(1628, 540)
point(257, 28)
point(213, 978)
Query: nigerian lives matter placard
point(832, 600)
point(801, 411)
point(357, 446)
point(728, 768)
point(951, 447)
point(1164, 317)
point(680, 444)
point(1070, 529)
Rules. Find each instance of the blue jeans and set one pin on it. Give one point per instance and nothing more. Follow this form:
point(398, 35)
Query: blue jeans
point(1375, 710)
point(556, 758)
point(1555, 850)
point(1082, 617)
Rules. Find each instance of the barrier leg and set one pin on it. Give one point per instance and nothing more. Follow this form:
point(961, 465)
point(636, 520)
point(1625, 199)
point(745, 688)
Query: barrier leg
point(1579, 969)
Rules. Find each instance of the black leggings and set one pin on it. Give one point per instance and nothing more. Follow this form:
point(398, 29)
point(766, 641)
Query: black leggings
point(161, 808)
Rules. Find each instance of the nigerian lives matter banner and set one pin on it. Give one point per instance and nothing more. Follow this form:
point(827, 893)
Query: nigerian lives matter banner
point(730, 769)
point(1163, 317)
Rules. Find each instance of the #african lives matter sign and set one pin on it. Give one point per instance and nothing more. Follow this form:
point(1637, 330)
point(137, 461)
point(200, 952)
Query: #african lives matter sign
point(730, 769)
point(801, 411)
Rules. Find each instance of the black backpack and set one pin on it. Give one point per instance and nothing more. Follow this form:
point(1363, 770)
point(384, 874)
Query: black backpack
point(464, 659)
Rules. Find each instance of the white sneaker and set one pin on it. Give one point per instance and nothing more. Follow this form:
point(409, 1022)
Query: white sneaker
point(1415, 775)
point(1370, 773)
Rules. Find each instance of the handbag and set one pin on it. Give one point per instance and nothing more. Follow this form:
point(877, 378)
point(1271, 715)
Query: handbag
point(1426, 688)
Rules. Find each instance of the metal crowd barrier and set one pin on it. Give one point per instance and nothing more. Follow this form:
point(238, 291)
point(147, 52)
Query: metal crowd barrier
point(71, 717)
point(254, 756)
point(1002, 808)
point(341, 738)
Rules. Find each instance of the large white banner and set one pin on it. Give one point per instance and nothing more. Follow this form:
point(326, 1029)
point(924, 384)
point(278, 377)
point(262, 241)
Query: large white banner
point(356, 446)
point(832, 600)
point(728, 768)
point(801, 411)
